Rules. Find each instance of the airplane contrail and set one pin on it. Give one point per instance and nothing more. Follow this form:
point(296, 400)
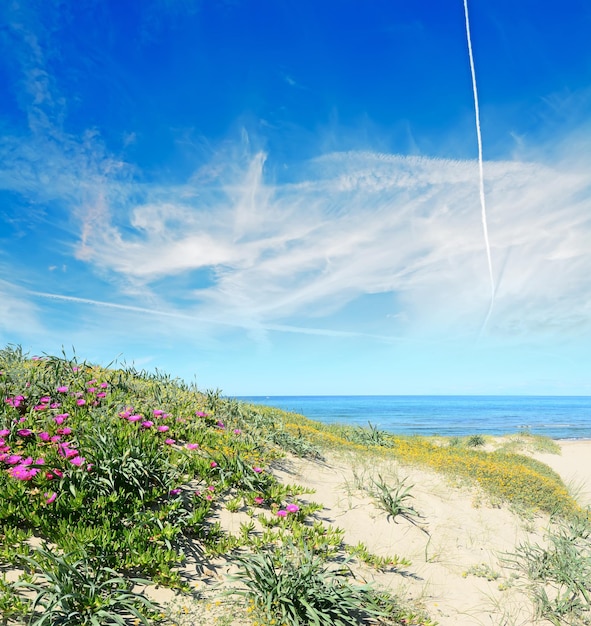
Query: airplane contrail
point(481, 172)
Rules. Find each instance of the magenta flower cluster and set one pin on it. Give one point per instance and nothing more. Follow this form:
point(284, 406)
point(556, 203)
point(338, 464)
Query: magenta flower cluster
point(26, 468)
point(290, 508)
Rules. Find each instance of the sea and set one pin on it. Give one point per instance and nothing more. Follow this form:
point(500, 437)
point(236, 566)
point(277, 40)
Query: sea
point(557, 417)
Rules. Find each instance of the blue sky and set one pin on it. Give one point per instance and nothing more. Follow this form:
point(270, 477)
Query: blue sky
point(282, 197)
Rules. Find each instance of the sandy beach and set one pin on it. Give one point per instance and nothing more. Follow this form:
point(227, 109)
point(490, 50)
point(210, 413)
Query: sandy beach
point(458, 548)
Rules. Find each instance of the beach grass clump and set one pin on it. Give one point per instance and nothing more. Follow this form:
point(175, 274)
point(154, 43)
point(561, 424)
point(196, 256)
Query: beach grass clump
point(72, 591)
point(558, 572)
point(395, 500)
point(291, 585)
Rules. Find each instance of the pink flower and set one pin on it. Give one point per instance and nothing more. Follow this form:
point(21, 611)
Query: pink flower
point(147, 424)
point(157, 412)
point(13, 459)
point(4, 432)
point(104, 385)
point(192, 446)
point(124, 414)
point(23, 472)
point(211, 488)
point(200, 414)
point(90, 389)
point(64, 431)
point(169, 442)
point(78, 461)
point(55, 438)
point(24, 432)
point(75, 369)
point(44, 436)
point(44, 400)
point(89, 467)
point(281, 513)
point(220, 424)
point(257, 470)
point(55, 405)
point(237, 431)
point(63, 389)
point(292, 508)
point(213, 464)
point(102, 394)
point(259, 500)
point(59, 419)
point(162, 429)
point(80, 402)
point(174, 492)
point(50, 497)
point(134, 418)
point(41, 407)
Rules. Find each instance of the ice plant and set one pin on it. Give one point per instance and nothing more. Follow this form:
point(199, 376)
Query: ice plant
point(281, 513)
point(292, 508)
point(192, 446)
point(13, 459)
point(23, 472)
point(50, 497)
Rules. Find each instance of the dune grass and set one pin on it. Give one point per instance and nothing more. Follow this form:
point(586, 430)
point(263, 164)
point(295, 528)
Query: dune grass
point(113, 470)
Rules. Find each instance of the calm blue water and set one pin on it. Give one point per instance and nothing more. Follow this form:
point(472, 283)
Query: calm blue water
point(559, 417)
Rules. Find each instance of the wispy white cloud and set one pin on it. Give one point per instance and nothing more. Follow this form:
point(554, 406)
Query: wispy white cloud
point(362, 223)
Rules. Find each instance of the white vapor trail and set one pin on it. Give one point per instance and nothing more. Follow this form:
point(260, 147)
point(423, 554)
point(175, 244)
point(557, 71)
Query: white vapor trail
point(283, 328)
point(481, 171)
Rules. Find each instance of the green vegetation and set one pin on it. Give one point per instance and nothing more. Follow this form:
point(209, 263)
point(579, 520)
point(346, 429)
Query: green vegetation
point(116, 471)
point(558, 573)
point(394, 500)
